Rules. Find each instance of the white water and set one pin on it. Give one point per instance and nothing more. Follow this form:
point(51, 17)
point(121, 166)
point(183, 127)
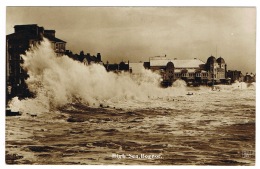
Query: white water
point(206, 128)
point(58, 81)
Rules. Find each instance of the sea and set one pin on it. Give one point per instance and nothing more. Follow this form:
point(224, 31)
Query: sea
point(82, 114)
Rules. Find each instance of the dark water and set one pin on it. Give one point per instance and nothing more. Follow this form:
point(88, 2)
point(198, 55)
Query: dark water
point(208, 128)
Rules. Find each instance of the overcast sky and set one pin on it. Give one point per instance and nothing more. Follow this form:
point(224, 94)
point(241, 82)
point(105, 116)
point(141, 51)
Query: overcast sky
point(137, 33)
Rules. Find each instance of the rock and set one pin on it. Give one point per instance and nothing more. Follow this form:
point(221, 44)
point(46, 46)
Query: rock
point(40, 148)
point(12, 157)
point(111, 130)
point(74, 119)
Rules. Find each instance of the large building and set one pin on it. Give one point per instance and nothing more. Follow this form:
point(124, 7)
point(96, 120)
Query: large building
point(173, 69)
point(217, 69)
point(193, 71)
point(24, 37)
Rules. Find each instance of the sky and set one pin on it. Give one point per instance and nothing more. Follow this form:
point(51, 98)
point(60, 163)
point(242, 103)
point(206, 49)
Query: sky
point(137, 33)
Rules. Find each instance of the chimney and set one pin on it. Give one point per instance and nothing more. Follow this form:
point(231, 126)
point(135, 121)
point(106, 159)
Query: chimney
point(40, 32)
point(49, 33)
point(99, 57)
point(81, 53)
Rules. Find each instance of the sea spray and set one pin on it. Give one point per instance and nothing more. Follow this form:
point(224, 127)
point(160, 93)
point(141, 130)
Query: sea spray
point(57, 81)
point(237, 86)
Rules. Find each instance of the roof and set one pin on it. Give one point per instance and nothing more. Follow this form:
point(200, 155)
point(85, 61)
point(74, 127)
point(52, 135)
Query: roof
point(211, 60)
point(220, 60)
point(49, 31)
point(191, 63)
point(22, 35)
point(25, 25)
point(252, 75)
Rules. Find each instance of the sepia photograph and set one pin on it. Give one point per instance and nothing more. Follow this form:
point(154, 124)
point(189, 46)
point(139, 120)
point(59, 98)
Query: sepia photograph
point(130, 85)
